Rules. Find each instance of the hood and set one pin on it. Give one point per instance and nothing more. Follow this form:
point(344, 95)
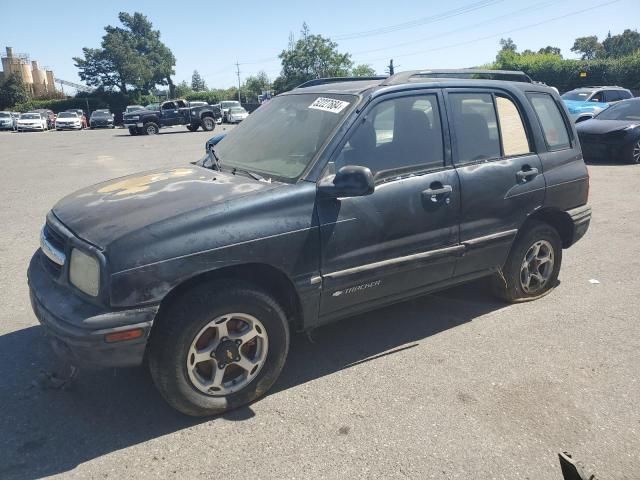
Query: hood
point(600, 127)
point(108, 211)
point(577, 106)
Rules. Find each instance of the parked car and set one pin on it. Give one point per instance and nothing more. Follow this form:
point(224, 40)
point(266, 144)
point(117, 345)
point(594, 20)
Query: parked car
point(173, 112)
point(585, 102)
point(8, 121)
point(613, 134)
point(81, 115)
point(49, 115)
point(226, 105)
point(368, 195)
point(236, 114)
point(32, 121)
point(133, 108)
point(68, 121)
point(101, 119)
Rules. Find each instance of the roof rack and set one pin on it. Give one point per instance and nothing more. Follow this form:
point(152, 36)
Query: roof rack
point(464, 73)
point(324, 81)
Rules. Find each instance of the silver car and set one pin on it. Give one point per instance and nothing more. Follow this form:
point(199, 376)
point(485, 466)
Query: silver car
point(8, 121)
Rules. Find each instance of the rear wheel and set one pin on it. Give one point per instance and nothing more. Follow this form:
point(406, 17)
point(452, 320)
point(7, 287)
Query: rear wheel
point(632, 154)
point(151, 128)
point(215, 349)
point(532, 268)
point(208, 124)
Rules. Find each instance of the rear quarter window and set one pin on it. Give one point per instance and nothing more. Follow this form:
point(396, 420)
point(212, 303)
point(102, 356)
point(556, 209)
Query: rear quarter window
point(553, 125)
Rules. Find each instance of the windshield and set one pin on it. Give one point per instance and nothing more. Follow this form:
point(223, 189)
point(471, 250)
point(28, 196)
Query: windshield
point(229, 104)
point(5, 114)
point(237, 110)
point(67, 115)
point(282, 137)
point(153, 106)
point(100, 114)
point(30, 116)
point(133, 108)
point(579, 96)
point(622, 111)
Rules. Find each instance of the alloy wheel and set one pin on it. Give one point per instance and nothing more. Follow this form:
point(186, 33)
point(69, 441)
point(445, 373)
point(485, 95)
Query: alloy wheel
point(636, 152)
point(537, 267)
point(227, 354)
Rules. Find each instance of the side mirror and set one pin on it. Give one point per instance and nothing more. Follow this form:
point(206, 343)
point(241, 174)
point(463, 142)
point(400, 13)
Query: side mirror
point(350, 181)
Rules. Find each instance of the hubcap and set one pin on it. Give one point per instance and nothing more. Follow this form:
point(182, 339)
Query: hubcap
point(208, 123)
point(537, 267)
point(227, 354)
point(636, 152)
point(151, 130)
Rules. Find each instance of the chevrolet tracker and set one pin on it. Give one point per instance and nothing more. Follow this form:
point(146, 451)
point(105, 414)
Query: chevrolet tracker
point(329, 200)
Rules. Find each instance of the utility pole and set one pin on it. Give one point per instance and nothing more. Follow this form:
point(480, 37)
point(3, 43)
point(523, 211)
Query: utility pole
point(390, 67)
point(238, 73)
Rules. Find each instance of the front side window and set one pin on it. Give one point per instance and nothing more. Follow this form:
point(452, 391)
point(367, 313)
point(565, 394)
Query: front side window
point(513, 133)
point(397, 134)
point(476, 126)
point(169, 106)
point(629, 111)
point(597, 97)
point(551, 121)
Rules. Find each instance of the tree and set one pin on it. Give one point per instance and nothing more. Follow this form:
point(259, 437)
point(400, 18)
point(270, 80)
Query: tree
point(255, 85)
point(312, 56)
point(508, 50)
point(588, 47)
point(363, 70)
point(617, 46)
point(183, 89)
point(13, 91)
point(508, 44)
point(550, 51)
point(132, 55)
point(197, 83)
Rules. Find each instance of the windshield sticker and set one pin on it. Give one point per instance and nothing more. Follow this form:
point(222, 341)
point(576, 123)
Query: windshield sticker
point(329, 105)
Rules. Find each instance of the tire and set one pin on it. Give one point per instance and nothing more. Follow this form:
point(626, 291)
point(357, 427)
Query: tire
point(151, 128)
point(208, 124)
point(632, 153)
point(192, 128)
point(181, 326)
point(133, 131)
point(510, 282)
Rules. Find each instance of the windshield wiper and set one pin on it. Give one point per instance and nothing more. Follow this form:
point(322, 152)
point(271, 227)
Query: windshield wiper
point(253, 175)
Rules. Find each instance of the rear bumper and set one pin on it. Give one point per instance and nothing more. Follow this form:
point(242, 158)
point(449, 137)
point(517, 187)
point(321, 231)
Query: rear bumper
point(581, 218)
point(77, 328)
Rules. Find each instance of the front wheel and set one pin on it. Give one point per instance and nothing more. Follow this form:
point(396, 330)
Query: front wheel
point(215, 349)
point(632, 153)
point(151, 128)
point(208, 124)
point(532, 268)
point(192, 128)
point(133, 131)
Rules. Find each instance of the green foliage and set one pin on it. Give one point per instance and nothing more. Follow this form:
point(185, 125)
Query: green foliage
point(255, 85)
point(12, 91)
point(183, 89)
point(363, 70)
point(132, 55)
point(617, 46)
point(312, 56)
point(588, 47)
point(197, 83)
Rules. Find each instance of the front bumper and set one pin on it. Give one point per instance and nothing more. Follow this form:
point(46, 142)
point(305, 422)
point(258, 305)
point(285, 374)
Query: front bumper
point(133, 125)
point(77, 328)
point(581, 218)
point(30, 127)
point(69, 126)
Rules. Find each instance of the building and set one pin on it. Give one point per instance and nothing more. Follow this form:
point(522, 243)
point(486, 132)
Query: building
point(37, 80)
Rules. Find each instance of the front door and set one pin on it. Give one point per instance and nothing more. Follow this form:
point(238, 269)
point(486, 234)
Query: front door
point(403, 237)
point(501, 178)
point(169, 113)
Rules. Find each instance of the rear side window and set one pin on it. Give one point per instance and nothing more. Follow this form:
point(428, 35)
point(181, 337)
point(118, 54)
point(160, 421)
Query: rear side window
point(514, 136)
point(476, 126)
point(551, 121)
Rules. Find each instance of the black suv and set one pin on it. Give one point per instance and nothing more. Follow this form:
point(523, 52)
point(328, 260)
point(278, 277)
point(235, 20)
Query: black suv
point(329, 200)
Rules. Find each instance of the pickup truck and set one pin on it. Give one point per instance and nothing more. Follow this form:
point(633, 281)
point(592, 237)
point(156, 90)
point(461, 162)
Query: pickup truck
point(173, 112)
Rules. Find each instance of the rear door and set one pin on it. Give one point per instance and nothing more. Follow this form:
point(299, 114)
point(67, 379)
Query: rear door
point(501, 179)
point(404, 236)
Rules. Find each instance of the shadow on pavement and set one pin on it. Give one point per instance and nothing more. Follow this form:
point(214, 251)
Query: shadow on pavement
point(47, 432)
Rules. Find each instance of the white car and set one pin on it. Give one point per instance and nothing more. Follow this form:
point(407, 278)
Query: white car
point(68, 120)
point(236, 114)
point(31, 121)
point(227, 105)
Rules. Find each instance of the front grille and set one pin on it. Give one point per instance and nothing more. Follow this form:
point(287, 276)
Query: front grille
point(57, 241)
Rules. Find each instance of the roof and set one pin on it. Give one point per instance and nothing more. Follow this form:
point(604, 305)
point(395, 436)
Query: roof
point(595, 87)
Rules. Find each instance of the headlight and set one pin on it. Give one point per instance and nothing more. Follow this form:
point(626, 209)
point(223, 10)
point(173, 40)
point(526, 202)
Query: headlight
point(84, 272)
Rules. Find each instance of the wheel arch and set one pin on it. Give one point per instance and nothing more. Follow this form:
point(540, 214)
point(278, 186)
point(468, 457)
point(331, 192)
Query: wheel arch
point(263, 276)
point(558, 219)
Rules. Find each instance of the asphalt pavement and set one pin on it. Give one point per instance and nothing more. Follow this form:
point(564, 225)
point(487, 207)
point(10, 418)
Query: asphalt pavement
point(454, 385)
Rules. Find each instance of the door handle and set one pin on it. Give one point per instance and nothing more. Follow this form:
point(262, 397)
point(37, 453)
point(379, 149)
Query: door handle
point(527, 173)
point(437, 193)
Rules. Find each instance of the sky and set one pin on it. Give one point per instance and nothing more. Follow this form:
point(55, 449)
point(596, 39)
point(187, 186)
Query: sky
point(211, 37)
